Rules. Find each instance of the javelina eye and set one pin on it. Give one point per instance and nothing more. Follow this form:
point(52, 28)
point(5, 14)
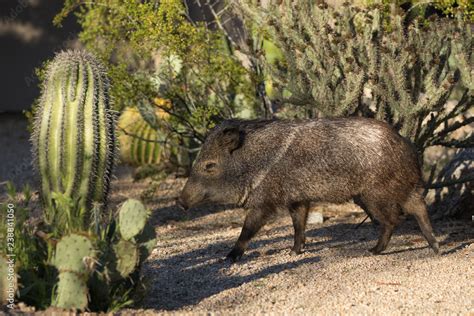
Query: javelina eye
point(210, 165)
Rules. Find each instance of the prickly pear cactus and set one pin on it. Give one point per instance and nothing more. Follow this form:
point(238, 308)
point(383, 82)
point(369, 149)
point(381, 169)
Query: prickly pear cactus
point(136, 241)
point(132, 218)
point(127, 255)
point(74, 253)
point(139, 142)
point(74, 258)
point(72, 291)
point(74, 130)
point(146, 241)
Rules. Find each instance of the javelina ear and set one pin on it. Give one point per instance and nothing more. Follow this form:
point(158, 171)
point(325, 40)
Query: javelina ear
point(231, 138)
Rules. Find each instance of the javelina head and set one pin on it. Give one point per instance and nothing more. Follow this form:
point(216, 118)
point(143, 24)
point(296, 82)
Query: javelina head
point(215, 174)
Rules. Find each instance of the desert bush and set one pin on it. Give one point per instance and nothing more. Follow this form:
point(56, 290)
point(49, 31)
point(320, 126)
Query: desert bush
point(451, 7)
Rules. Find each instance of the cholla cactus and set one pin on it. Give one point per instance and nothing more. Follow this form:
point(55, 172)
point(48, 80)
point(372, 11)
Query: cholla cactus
point(74, 137)
point(458, 198)
point(408, 69)
point(327, 59)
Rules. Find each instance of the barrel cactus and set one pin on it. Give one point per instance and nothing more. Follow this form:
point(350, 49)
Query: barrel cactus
point(140, 143)
point(73, 134)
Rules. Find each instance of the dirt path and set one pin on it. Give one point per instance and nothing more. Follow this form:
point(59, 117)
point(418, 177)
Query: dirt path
point(336, 274)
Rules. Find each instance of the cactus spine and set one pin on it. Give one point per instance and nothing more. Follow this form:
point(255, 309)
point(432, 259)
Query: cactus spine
point(74, 137)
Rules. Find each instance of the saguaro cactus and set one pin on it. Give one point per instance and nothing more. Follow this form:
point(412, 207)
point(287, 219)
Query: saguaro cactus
point(74, 137)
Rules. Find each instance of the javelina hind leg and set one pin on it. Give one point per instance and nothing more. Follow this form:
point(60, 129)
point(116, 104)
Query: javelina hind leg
point(254, 220)
point(415, 205)
point(299, 215)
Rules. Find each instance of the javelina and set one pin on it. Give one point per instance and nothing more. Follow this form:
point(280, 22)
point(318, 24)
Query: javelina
point(265, 165)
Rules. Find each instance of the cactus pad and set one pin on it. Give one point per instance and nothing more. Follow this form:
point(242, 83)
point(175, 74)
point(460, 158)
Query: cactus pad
point(132, 218)
point(147, 241)
point(74, 253)
point(127, 256)
point(71, 291)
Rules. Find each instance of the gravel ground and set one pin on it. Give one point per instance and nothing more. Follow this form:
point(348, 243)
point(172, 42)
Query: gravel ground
point(335, 275)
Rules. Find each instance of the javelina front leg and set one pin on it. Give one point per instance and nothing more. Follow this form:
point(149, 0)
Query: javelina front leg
point(385, 235)
point(253, 222)
point(299, 215)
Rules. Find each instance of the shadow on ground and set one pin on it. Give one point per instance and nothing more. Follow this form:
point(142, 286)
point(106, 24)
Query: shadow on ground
point(182, 280)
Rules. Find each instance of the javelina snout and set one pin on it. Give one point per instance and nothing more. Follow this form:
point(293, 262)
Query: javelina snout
point(193, 194)
point(265, 165)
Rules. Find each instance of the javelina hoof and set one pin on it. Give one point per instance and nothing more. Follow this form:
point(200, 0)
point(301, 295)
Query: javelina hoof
point(435, 247)
point(235, 255)
point(295, 252)
point(375, 250)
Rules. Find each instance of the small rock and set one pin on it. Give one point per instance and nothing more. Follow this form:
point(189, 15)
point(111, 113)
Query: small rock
point(315, 218)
